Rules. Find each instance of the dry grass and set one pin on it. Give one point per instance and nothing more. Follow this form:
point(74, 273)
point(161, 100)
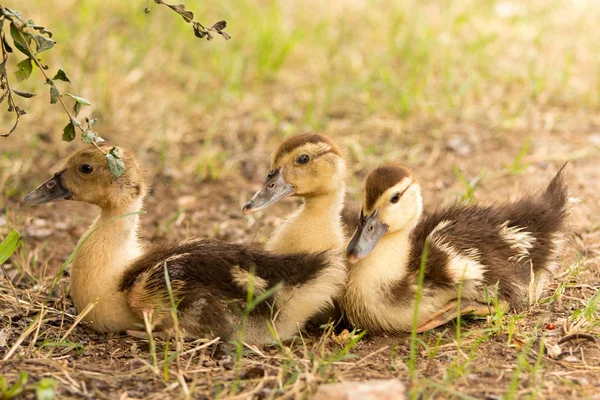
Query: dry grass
point(502, 91)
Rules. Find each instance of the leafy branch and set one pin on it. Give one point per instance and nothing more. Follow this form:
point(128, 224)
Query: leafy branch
point(199, 30)
point(31, 40)
point(25, 41)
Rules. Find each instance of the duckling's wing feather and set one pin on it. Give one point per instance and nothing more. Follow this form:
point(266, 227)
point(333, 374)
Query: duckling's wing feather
point(505, 243)
point(215, 276)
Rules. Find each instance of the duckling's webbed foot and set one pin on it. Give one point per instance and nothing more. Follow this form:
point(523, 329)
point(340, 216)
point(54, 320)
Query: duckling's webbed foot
point(451, 311)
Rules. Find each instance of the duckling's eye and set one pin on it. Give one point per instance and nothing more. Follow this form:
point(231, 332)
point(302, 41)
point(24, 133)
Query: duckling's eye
point(303, 159)
point(86, 169)
point(395, 198)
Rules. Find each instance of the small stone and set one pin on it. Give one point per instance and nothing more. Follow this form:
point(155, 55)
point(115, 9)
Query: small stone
point(392, 389)
point(581, 381)
point(594, 139)
point(572, 359)
point(226, 362)
point(492, 397)
point(61, 226)
point(472, 377)
point(554, 350)
point(186, 202)
point(460, 146)
point(38, 228)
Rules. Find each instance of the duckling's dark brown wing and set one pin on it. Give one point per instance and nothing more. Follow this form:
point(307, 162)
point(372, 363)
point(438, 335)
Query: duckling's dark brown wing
point(505, 242)
point(467, 237)
point(211, 279)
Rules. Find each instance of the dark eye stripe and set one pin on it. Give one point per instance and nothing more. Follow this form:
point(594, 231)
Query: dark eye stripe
point(402, 192)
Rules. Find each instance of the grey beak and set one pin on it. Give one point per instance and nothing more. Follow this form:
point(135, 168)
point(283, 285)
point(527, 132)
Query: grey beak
point(368, 233)
point(273, 189)
point(52, 190)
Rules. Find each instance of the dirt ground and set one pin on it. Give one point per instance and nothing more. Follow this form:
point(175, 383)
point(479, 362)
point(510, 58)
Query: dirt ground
point(206, 162)
point(484, 365)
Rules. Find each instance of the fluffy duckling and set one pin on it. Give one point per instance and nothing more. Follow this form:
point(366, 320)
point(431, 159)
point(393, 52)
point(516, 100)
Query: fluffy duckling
point(210, 279)
point(311, 167)
point(514, 246)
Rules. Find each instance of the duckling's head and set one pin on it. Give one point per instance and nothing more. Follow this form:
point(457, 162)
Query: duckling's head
point(391, 202)
point(85, 177)
point(307, 165)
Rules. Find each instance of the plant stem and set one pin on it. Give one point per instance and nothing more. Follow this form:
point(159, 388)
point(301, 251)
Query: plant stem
point(49, 81)
point(10, 99)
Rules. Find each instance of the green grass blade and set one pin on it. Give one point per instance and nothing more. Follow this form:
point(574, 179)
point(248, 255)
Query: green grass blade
point(413, 332)
point(9, 245)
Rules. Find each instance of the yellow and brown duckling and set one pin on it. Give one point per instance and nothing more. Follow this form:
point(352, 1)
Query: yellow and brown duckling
point(310, 166)
point(210, 278)
point(470, 249)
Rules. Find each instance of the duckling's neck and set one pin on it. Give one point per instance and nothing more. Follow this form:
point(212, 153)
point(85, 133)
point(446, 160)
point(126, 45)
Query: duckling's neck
point(387, 262)
point(112, 244)
point(315, 226)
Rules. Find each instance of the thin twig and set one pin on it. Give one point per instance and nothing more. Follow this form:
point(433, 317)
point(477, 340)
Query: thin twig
point(23, 336)
point(49, 81)
point(576, 336)
point(10, 98)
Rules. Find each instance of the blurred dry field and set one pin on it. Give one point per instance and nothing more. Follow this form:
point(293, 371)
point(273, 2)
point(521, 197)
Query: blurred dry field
point(484, 99)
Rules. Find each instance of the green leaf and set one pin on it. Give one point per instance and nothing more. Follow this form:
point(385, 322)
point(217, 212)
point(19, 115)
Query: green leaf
point(24, 69)
point(81, 100)
point(115, 163)
point(6, 45)
point(69, 132)
point(41, 29)
point(43, 43)
point(199, 32)
point(77, 108)
point(14, 13)
point(89, 137)
point(27, 95)
point(54, 93)
point(188, 16)
point(45, 389)
point(18, 387)
point(9, 245)
point(61, 76)
point(18, 40)
point(219, 26)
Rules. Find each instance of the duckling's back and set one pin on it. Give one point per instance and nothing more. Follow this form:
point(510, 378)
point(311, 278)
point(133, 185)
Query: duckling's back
point(212, 282)
point(513, 245)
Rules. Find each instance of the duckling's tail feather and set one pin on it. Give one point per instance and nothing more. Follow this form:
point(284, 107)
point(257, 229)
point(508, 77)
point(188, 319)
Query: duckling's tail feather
point(556, 197)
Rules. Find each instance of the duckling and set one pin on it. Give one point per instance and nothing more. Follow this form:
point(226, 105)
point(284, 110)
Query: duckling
point(310, 166)
point(211, 280)
point(470, 248)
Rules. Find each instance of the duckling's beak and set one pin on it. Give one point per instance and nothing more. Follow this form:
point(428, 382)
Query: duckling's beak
point(275, 188)
point(368, 233)
point(52, 190)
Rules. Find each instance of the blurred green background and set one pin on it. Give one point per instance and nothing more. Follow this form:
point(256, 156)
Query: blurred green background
point(388, 79)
